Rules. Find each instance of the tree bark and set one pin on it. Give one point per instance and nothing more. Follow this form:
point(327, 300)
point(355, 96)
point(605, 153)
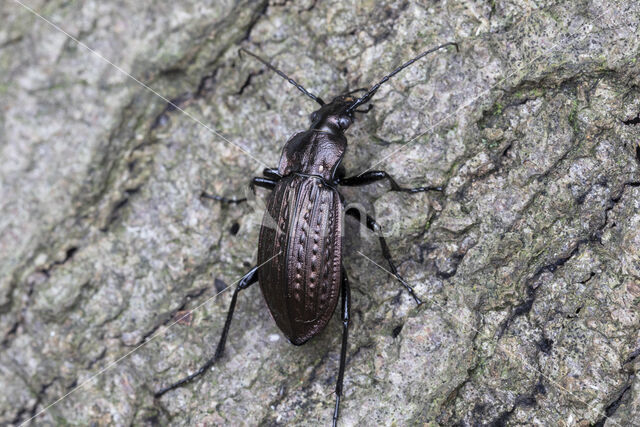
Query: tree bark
point(115, 273)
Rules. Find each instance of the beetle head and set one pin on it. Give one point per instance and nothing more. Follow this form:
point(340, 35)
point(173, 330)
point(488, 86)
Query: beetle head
point(333, 117)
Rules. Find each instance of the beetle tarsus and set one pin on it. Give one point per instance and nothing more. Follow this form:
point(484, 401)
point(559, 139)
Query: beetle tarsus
point(375, 227)
point(409, 288)
point(188, 379)
point(247, 280)
point(387, 255)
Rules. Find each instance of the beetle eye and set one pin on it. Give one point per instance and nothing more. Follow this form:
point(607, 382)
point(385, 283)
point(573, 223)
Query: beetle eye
point(344, 122)
point(313, 117)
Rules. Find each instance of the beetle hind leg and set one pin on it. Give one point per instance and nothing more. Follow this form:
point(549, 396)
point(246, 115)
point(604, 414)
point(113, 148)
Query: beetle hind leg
point(247, 280)
point(346, 310)
point(375, 227)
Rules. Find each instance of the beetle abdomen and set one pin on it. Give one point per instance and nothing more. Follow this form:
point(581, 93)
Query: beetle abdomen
point(301, 284)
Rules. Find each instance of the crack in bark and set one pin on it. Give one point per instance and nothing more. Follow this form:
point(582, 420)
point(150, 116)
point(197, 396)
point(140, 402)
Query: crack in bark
point(260, 12)
point(456, 260)
point(46, 271)
point(167, 317)
point(545, 344)
point(450, 400)
point(611, 409)
point(96, 359)
point(173, 104)
point(247, 82)
point(117, 208)
point(633, 121)
point(25, 413)
point(526, 400)
point(632, 356)
point(310, 8)
point(269, 419)
point(11, 41)
point(524, 307)
point(208, 79)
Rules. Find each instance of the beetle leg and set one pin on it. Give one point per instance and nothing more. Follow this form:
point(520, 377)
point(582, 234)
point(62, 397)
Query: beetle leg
point(272, 173)
point(255, 182)
point(375, 227)
point(267, 183)
point(374, 176)
point(346, 309)
point(341, 172)
point(247, 280)
point(205, 195)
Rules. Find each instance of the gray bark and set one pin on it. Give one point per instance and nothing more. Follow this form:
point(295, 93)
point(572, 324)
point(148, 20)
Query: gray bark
point(529, 261)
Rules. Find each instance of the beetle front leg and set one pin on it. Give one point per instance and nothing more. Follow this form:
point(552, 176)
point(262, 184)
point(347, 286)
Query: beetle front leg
point(375, 227)
point(346, 310)
point(247, 280)
point(375, 176)
point(267, 183)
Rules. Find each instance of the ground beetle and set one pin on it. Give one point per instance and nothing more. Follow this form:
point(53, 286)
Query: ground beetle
point(299, 266)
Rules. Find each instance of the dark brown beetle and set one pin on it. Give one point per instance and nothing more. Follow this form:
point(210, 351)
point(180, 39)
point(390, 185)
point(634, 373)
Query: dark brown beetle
point(300, 247)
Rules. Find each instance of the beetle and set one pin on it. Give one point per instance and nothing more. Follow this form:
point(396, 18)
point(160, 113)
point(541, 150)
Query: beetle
point(299, 265)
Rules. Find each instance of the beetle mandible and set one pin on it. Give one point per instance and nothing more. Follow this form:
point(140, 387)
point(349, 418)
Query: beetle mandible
point(299, 265)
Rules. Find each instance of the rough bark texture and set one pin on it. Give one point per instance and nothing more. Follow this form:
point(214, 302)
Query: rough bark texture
point(529, 261)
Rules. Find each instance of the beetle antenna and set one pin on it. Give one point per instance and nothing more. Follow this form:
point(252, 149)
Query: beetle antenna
point(367, 96)
point(284, 76)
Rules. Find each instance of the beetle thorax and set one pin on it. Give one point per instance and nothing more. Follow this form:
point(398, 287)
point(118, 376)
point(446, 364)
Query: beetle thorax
point(313, 152)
